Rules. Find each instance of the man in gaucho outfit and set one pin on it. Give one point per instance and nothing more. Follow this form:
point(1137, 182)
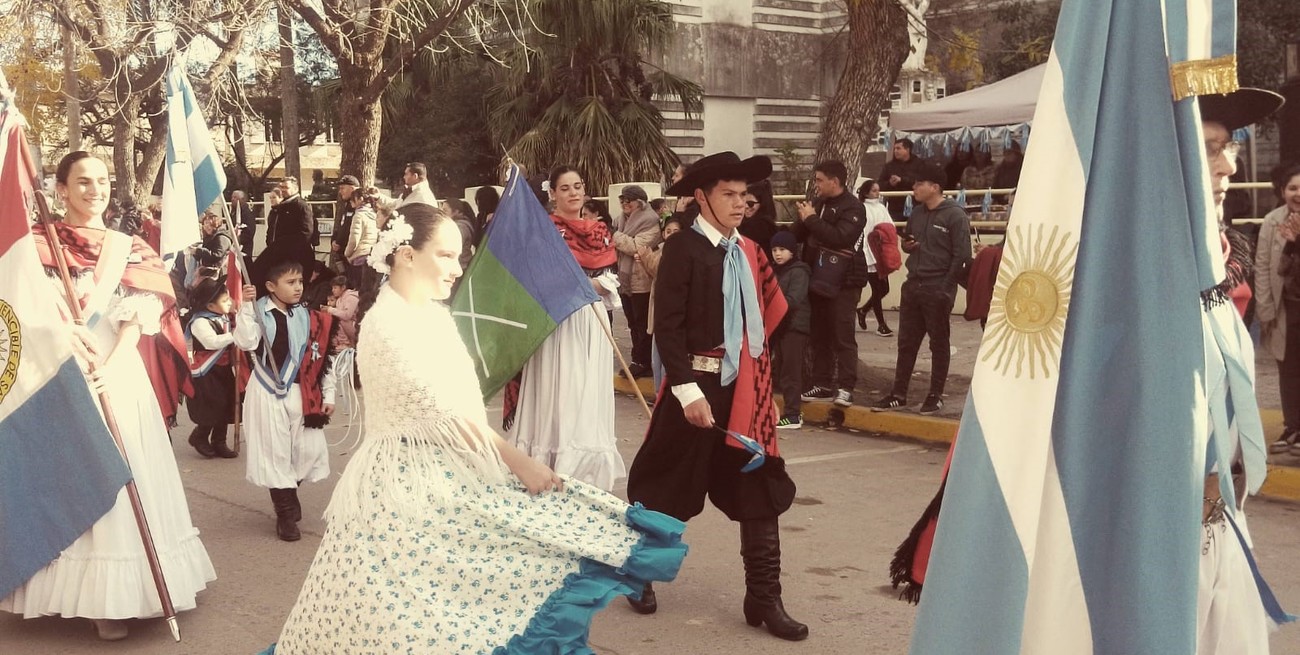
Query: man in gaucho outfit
point(714, 426)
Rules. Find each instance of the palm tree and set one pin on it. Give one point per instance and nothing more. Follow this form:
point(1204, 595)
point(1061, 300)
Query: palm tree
point(582, 94)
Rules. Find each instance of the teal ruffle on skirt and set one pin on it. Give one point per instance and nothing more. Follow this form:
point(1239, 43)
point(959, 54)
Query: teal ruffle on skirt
point(563, 622)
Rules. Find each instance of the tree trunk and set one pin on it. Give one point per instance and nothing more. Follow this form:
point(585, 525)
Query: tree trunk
point(360, 121)
point(149, 169)
point(878, 45)
point(124, 133)
point(289, 97)
point(72, 98)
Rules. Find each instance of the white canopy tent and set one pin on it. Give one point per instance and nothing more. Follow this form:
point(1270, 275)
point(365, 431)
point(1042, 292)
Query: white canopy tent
point(996, 113)
point(1007, 102)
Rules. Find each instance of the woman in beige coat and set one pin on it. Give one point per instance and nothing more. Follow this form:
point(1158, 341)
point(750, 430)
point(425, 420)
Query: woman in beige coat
point(1277, 302)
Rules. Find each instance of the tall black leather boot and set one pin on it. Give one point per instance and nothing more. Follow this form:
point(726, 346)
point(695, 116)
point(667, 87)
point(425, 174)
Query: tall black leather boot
point(285, 527)
point(218, 440)
point(760, 548)
point(648, 603)
point(297, 505)
point(199, 440)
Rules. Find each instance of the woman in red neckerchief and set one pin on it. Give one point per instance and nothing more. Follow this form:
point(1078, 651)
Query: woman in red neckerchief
point(126, 297)
point(563, 411)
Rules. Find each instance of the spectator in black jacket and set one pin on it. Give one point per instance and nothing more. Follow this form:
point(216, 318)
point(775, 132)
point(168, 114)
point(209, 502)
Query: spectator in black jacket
point(292, 217)
point(899, 174)
point(938, 245)
point(343, 211)
point(831, 225)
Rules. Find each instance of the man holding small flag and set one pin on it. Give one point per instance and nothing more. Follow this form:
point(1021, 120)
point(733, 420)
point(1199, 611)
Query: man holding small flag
point(1079, 525)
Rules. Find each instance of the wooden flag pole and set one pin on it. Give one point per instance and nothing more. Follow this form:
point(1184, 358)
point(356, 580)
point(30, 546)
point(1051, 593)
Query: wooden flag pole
point(621, 361)
point(237, 355)
point(141, 522)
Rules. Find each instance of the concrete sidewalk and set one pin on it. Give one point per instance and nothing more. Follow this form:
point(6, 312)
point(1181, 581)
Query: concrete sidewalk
point(877, 356)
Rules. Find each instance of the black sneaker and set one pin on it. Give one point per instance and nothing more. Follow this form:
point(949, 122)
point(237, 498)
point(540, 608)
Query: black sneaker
point(1284, 442)
point(888, 403)
point(790, 422)
point(843, 398)
point(884, 331)
point(818, 393)
point(931, 405)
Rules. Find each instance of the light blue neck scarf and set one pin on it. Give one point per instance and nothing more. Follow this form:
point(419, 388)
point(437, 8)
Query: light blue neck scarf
point(741, 315)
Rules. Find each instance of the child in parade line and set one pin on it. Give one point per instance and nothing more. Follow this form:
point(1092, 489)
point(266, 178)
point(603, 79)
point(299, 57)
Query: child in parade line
point(791, 336)
point(290, 397)
point(649, 258)
point(105, 575)
point(212, 407)
point(441, 536)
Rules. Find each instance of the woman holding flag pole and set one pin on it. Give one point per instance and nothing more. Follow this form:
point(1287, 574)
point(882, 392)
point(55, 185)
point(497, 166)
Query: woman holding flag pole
point(105, 575)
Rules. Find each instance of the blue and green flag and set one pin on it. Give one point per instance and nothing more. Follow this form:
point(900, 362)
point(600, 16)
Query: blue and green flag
point(522, 283)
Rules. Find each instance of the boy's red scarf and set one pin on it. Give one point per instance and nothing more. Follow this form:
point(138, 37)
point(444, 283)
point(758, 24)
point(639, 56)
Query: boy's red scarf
point(590, 242)
point(753, 413)
point(164, 354)
point(315, 366)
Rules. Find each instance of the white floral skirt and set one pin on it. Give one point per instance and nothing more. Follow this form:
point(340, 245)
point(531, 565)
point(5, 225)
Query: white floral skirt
point(494, 570)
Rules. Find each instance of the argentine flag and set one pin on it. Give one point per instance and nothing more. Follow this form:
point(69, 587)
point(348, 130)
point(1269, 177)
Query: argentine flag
point(1104, 389)
point(193, 178)
point(59, 469)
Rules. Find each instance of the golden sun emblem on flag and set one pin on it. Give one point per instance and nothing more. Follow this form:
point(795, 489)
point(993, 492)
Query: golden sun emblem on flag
point(11, 346)
point(1026, 324)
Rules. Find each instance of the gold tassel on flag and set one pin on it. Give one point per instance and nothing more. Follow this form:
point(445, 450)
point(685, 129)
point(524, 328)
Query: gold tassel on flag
point(1204, 76)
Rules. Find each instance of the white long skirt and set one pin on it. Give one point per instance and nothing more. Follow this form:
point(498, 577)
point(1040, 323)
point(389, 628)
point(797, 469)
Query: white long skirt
point(281, 452)
point(565, 417)
point(104, 574)
point(1230, 616)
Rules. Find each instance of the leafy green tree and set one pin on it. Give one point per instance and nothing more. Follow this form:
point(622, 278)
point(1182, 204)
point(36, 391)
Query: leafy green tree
point(439, 118)
point(582, 93)
point(1264, 29)
point(1026, 41)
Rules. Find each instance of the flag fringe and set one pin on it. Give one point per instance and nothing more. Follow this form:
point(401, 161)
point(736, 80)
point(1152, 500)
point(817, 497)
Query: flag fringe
point(901, 567)
point(1204, 76)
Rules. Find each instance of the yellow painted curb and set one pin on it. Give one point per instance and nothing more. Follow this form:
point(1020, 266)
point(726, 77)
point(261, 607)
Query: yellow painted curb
point(1283, 481)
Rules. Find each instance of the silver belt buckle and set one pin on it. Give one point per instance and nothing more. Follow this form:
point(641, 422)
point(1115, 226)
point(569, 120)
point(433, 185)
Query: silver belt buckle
point(706, 364)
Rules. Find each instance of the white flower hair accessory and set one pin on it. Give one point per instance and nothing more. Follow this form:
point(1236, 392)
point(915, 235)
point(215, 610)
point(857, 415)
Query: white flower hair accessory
point(398, 233)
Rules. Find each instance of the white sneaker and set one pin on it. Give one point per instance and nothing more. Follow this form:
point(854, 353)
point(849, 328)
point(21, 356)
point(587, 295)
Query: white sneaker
point(843, 398)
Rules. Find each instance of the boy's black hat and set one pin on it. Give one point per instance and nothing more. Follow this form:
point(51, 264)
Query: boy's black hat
point(207, 291)
point(294, 249)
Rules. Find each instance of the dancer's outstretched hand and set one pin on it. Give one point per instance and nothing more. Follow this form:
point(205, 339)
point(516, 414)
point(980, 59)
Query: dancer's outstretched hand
point(538, 477)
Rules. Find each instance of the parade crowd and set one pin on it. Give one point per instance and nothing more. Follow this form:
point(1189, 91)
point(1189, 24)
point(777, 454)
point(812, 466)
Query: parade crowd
point(448, 535)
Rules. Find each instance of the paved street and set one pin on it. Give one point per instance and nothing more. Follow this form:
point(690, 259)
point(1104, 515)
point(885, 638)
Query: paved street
point(858, 496)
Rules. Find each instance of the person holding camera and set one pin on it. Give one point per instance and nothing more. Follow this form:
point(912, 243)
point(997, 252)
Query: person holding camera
point(830, 228)
point(937, 241)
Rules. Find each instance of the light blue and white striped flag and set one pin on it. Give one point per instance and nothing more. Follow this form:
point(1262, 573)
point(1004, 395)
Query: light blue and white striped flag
point(1071, 520)
point(193, 178)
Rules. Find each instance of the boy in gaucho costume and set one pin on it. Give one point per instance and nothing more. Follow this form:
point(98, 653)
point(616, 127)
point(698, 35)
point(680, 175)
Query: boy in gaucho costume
point(290, 392)
point(714, 426)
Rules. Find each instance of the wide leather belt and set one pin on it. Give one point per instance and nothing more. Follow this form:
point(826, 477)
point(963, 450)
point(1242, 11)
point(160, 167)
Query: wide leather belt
point(706, 364)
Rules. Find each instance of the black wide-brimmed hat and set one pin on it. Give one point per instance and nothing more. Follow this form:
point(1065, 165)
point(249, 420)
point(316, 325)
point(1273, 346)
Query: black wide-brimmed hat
point(207, 291)
point(281, 250)
point(721, 166)
point(1245, 106)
